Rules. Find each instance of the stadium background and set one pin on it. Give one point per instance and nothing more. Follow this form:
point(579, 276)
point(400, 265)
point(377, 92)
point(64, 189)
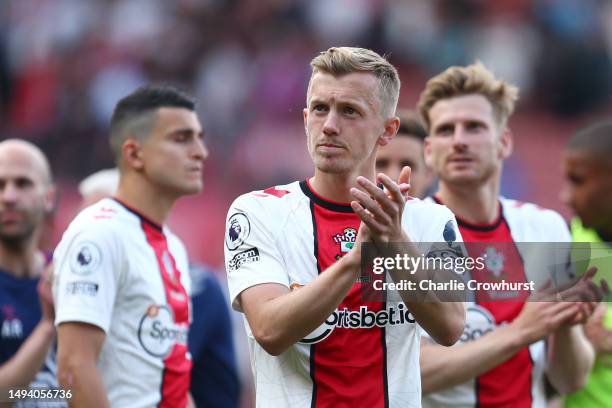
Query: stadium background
point(65, 63)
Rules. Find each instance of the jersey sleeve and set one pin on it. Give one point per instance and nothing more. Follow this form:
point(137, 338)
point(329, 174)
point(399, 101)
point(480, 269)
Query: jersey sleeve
point(88, 266)
point(252, 256)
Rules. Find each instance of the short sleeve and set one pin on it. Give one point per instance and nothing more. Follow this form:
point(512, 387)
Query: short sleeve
point(252, 256)
point(87, 268)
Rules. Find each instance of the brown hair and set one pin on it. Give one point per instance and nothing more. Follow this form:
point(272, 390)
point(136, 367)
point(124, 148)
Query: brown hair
point(472, 79)
point(345, 60)
point(411, 125)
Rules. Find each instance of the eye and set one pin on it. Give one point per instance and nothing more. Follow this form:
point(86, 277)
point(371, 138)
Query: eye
point(444, 130)
point(382, 163)
point(348, 110)
point(472, 126)
point(320, 108)
point(23, 183)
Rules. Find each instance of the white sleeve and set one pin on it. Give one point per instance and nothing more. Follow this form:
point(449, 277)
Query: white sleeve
point(88, 267)
point(252, 256)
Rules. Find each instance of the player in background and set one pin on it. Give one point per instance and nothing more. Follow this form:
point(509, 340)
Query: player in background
point(27, 193)
point(214, 375)
point(293, 255)
point(406, 149)
point(99, 185)
point(502, 357)
point(121, 277)
point(588, 191)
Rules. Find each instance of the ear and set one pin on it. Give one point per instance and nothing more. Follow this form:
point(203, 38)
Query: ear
point(132, 154)
point(427, 152)
point(506, 143)
point(51, 197)
point(390, 129)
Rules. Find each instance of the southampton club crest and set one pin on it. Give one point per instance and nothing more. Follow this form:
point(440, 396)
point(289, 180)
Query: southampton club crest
point(346, 240)
point(494, 261)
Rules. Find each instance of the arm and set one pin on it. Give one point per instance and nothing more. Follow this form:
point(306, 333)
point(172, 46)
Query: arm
point(79, 346)
point(280, 318)
point(570, 359)
point(445, 367)
point(21, 369)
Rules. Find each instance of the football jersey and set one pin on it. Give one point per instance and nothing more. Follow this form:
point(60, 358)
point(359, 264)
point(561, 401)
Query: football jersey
point(519, 381)
point(366, 353)
point(129, 276)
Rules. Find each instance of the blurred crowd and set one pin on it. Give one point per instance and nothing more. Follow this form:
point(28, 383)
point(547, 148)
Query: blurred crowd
point(65, 63)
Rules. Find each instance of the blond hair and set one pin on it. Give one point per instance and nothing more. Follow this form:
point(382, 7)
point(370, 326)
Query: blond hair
point(472, 79)
point(340, 61)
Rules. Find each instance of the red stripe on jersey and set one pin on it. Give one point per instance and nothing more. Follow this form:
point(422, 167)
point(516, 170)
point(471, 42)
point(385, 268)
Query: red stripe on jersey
point(349, 366)
point(177, 365)
point(508, 384)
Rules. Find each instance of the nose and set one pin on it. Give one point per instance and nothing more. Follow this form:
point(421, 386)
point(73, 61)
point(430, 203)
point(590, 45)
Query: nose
point(9, 193)
point(201, 151)
point(459, 139)
point(330, 126)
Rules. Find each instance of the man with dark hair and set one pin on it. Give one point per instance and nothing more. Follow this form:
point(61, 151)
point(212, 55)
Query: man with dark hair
point(26, 307)
point(122, 277)
point(588, 191)
point(406, 149)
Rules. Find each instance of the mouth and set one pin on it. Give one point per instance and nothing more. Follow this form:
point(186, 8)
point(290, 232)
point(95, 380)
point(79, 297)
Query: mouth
point(460, 160)
point(329, 147)
point(9, 217)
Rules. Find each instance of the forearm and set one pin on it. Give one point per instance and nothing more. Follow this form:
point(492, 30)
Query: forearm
point(444, 367)
point(81, 377)
point(21, 369)
point(282, 321)
point(570, 359)
point(444, 319)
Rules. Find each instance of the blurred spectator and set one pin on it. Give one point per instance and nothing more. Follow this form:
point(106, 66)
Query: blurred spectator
point(406, 149)
point(27, 355)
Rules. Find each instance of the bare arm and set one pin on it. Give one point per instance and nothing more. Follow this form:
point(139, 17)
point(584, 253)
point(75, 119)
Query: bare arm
point(570, 359)
point(21, 369)
point(442, 367)
point(79, 346)
point(279, 318)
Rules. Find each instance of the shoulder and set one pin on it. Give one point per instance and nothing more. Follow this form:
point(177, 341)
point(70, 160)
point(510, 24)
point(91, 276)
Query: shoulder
point(106, 217)
point(268, 208)
point(279, 198)
point(425, 220)
point(520, 211)
point(530, 222)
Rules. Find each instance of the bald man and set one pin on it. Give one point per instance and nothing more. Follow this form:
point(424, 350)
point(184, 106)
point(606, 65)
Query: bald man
point(26, 307)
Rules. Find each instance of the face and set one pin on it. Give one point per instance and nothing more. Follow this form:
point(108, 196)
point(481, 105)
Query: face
point(465, 145)
point(405, 151)
point(172, 157)
point(588, 188)
point(343, 122)
point(25, 193)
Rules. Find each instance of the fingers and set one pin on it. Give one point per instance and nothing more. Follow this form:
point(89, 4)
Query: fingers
point(371, 205)
point(404, 177)
point(366, 217)
point(392, 188)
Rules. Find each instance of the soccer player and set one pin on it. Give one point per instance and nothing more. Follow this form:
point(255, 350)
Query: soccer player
point(122, 277)
point(214, 374)
point(588, 191)
point(507, 346)
point(293, 255)
point(27, 334)
point(406, 149)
